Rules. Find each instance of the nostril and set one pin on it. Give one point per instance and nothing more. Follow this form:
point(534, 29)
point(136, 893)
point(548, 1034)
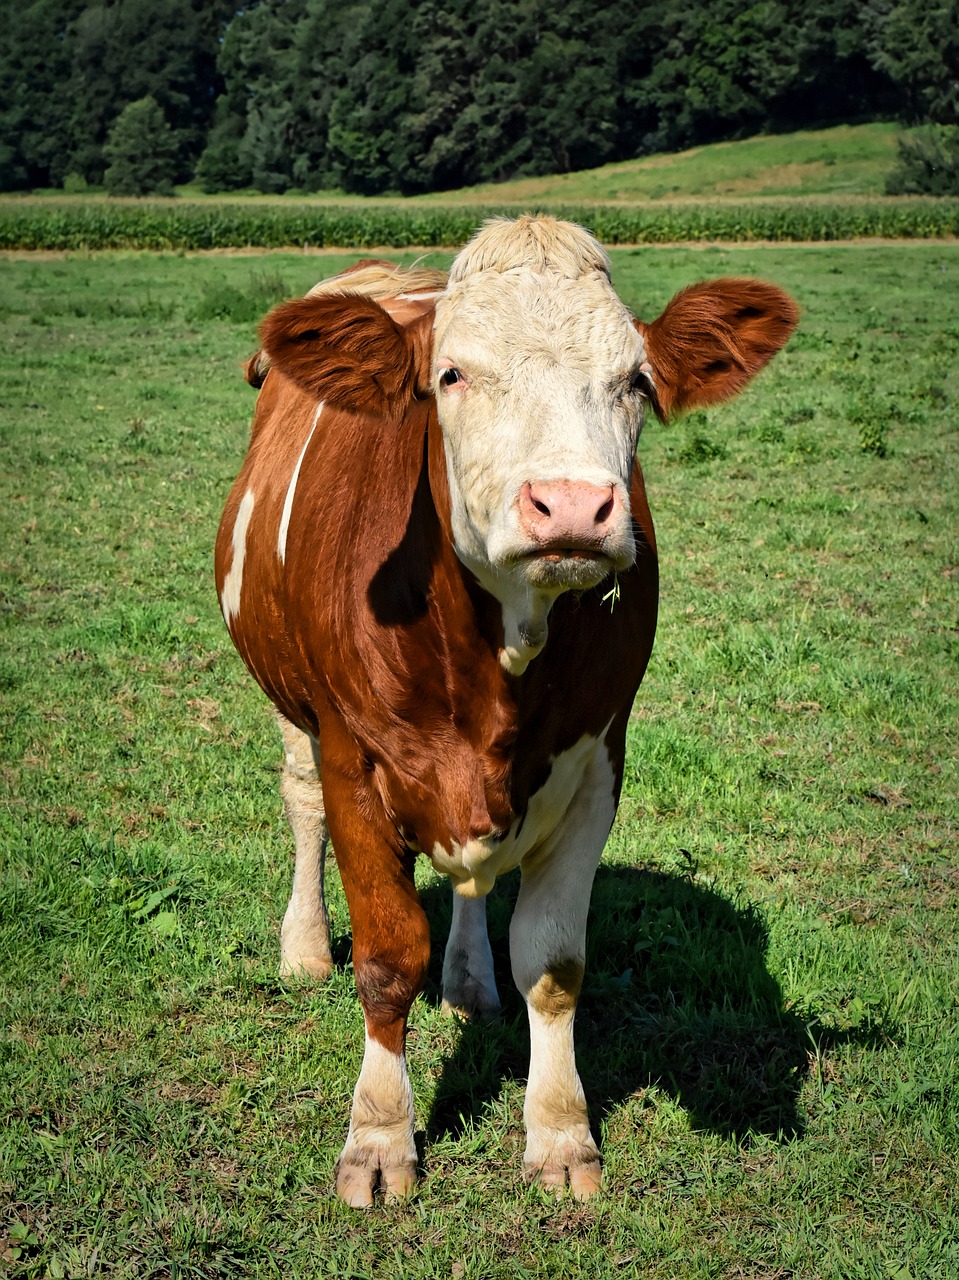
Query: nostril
point(606, 510)
point(540, 506)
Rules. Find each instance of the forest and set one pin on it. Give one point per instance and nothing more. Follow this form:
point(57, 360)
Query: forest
point(409, 96)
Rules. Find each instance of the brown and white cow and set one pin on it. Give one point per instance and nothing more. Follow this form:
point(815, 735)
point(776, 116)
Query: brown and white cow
point(415, 564)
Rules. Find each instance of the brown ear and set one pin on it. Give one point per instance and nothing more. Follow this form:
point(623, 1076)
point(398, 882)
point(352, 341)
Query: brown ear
point(256, 369)
point(712, 339)
point(344, 349)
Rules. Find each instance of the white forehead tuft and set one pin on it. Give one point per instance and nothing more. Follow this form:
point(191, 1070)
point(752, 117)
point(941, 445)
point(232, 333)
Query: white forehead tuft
point(540, 244)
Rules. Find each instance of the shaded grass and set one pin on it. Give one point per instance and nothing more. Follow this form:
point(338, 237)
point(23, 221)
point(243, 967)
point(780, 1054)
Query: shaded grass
point(768, 1032)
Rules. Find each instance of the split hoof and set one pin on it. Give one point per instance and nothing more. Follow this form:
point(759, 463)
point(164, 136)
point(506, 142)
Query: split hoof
point(356, 1184)
point(584, 1179)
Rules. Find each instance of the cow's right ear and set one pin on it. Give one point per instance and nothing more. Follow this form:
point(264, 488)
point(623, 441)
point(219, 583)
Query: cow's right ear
point(344, 349)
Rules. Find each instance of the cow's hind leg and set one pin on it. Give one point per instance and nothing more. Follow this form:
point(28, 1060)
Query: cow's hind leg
point(469, 987)
point(547, 949)
point(305, 933)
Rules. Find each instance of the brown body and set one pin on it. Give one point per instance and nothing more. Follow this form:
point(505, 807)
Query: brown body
point(347, 590)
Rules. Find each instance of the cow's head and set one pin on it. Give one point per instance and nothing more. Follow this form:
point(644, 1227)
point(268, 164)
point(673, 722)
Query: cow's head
point(542, 379)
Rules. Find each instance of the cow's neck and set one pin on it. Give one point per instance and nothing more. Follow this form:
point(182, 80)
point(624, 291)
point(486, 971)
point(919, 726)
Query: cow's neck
point(525, 611)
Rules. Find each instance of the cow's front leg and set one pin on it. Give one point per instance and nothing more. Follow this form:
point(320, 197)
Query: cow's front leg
point(469, 987)
point(305, 933)
point(547, 949)
point(391, 950)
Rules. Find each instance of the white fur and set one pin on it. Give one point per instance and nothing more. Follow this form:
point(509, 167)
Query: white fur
point(547, 353)
point(233, 582)
point(305, 933)
point(469, 986)
point(549, 926)
point(291, 490)
point(379, 1147)
point(475, 865)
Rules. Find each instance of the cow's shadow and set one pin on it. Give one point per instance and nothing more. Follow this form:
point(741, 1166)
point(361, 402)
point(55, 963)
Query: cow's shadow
point(677, 995)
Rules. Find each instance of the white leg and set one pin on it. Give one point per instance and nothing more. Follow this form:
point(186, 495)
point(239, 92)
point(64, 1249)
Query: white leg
point(469, 988)
point(547, 949)
point(305, 933)
point(379, 1147)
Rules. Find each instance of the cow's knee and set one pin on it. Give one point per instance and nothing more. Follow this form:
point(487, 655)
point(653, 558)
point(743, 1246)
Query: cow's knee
point(387, 989)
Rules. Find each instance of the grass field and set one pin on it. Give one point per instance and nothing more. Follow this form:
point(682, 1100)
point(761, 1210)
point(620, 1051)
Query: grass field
point(768, 1035)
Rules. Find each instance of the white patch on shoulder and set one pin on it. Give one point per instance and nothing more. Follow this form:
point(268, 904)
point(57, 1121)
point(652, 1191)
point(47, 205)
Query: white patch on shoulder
point(233, 582)
point(288, 501)
point(474, 866)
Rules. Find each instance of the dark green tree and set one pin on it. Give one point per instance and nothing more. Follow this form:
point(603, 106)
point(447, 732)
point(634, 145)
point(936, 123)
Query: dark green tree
point(916, 42)
point(125, 50)
point(35, 112)
point(142, 152)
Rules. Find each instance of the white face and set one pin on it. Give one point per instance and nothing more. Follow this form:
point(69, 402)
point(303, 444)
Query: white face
point(540, 393)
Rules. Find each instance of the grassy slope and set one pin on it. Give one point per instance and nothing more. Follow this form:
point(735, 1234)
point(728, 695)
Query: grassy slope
point(768, 1033)
point(847, 160)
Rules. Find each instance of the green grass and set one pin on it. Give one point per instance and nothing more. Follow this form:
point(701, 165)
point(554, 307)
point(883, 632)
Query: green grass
point(768, 1034)
point(847, 160)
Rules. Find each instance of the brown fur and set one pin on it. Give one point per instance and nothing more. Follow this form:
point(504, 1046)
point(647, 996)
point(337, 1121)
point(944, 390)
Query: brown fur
point(343, 349)
point(712, 339)
point(371, 636)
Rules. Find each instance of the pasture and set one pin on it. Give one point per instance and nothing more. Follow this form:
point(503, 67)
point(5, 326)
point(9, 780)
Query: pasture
point(768, 1035)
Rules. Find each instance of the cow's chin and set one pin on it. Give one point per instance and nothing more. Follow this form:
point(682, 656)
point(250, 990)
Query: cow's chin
point(565, 570)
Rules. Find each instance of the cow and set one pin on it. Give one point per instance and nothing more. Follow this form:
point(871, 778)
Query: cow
point(438, 562)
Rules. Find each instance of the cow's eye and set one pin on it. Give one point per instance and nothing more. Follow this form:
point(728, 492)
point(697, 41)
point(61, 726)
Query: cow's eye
point(640, 381)
point(450, 377)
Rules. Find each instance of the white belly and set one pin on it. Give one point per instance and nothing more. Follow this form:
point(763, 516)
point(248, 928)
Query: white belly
point(475, 865)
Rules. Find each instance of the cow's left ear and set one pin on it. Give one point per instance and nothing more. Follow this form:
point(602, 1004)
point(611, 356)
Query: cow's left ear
point(344, 349)
point(712, 339)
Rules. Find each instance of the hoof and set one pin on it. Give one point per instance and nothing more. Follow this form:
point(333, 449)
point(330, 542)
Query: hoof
point(357, 1183)
point(472, 1010)
point(313, 969)
point(584, 1179)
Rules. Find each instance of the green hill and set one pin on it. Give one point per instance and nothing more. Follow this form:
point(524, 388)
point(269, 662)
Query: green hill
point(845, 160)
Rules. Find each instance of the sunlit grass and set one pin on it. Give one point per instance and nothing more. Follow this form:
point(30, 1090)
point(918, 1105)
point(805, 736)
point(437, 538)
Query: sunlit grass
point(768, 1030)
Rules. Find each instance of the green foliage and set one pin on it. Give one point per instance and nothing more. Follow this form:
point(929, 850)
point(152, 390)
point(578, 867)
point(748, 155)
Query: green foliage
point(420, 95)
point(75, 184)
point(69, 68)
point(870, 416)
point(916, 43)
point(141, 151)
point(700, 444)
point(220, 300)
point(928, 163)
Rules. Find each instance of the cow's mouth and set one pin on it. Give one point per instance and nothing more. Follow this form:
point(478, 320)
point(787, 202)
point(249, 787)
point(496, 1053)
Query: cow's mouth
point(568, 553)
point(566, 568)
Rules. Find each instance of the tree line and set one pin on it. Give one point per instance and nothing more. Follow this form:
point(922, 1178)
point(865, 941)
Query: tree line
point(420, 95)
